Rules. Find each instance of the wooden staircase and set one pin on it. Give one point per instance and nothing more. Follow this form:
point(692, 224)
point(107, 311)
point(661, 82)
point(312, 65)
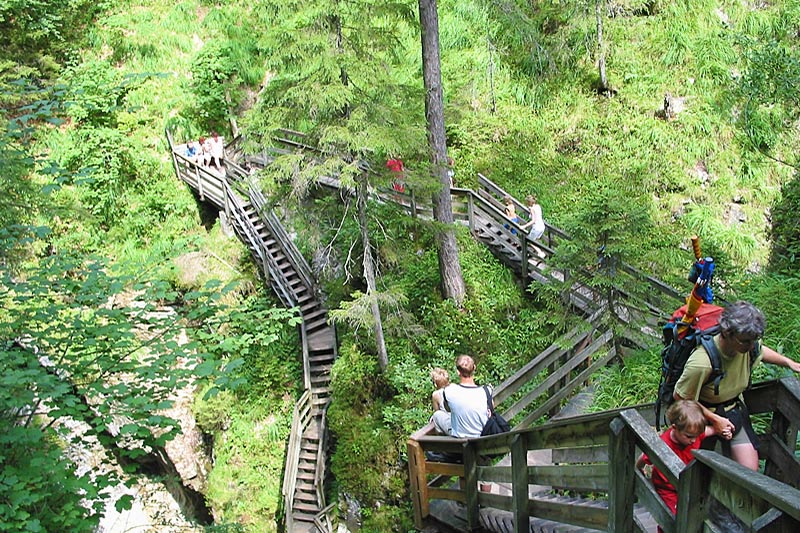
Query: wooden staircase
point(289, 275)
point(592, 455)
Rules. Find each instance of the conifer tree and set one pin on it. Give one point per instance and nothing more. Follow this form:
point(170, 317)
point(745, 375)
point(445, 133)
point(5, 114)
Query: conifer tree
point(338, 76)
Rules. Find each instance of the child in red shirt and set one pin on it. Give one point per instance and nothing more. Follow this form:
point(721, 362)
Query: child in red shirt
point(687, 430)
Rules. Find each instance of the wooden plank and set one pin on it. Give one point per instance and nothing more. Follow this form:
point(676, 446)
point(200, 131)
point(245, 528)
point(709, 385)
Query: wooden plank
point(471, 485)
point(573, 385)
point(444, 469)
point(782, 462)
point(656, 449)
point(789, 400)
point(570, 513)
point(729, 473)
point(581, 478)
point(693, 497)
point(437, 493)
point(772, 519)
point(745, 505)
point(649, 498)
point(621, 454)
point(582, 454)
point(536, 365)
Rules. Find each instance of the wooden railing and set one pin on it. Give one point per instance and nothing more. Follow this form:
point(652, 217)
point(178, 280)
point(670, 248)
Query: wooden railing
point(477, 208)
point(596, 454)
point(301, 418)
point(559, 371)
point(760, 501)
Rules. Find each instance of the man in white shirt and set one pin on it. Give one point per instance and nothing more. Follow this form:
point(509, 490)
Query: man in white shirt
point(467, 403)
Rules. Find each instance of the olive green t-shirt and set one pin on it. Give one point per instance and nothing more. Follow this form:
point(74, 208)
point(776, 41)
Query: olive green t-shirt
point(698, 369)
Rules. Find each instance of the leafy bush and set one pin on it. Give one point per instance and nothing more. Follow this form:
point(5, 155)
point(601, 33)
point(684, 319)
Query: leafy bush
point(244, 488)
point(211, 73)
point(785, 253)
point(631, 383)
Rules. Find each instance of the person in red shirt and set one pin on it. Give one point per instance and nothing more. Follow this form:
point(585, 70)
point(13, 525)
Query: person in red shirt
point(688, 427)
point(396, 166)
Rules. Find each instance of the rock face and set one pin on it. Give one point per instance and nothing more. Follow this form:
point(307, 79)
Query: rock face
point(153, 509)
point(171, 505)
point(187, 450)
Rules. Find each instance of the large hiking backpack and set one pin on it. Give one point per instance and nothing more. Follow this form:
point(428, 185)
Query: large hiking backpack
point(680, 342)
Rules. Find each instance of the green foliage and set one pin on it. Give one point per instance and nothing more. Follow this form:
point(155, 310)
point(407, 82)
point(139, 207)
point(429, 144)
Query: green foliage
point(606, 230)
point(785, 253)
point(212, 70)
point(38, 487)
point(778, 296)
point(728, 245)
point(340, 76)
point(36, 31)
point(95, 92)
point(244, 487)
point(361, 437)
point(631, 383)
point(259, 342)
point(107, 166)
point(84, 345)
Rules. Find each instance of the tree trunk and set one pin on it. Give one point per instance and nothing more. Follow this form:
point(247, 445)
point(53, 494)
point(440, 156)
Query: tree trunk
point(601, 50)
point(449, 266)
point(369, 273)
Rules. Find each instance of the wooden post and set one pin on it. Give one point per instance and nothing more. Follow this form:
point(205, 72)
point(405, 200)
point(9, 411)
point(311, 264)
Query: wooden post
point(199, 183)
point(519, 483)
point(471, 486)
point(622, 479)
point(471, 212)
point(693, 487)
point(413, 206)
point(523, 238)
point(419, 482)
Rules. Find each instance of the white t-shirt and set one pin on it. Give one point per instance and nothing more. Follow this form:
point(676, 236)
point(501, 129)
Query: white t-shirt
point(469, 409)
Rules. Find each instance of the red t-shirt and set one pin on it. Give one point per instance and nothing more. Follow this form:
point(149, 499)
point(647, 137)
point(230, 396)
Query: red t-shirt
point(395, 165)
point(663, 487)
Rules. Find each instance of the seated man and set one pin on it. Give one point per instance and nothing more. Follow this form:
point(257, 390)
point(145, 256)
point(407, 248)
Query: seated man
point(466, 402)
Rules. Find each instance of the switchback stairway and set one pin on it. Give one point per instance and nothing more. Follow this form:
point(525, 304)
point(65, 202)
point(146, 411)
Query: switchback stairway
point(589, 483)
point(289, 275)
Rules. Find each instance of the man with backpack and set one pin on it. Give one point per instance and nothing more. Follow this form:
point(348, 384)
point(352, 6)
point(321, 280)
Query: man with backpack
point(741, 327)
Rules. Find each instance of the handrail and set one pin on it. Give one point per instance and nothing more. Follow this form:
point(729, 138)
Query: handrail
point(293, 447)
point(596, 454)
point(319, 472)
point(657, 284)
point(231, 190)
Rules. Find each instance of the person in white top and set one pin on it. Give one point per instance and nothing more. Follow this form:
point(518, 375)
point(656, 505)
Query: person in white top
point(467, 403)
point(536, 221)
point(216, 149)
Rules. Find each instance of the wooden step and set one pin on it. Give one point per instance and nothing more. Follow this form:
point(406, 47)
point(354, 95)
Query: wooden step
point(308, 456)
point(320, 369)
point(305, 475)
point(315, 313)
point(321, 359)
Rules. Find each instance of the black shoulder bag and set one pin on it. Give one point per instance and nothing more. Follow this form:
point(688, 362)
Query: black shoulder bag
point(496, 423)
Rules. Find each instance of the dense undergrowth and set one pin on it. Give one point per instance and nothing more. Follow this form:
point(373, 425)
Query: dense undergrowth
point(520, 84)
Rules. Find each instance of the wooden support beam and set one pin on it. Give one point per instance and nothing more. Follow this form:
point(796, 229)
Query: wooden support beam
point(519, 488)
point(621, 458)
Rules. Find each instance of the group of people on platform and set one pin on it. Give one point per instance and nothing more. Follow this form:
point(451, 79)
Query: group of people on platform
point(206, 151)
point(702, 409)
